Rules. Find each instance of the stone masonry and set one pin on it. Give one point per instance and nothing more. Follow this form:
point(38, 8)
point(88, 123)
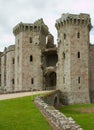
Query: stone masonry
point(36, 63)
point(0, 67)
point(58, 119)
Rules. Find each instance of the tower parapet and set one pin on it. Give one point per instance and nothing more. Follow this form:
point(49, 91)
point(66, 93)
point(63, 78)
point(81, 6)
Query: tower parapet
point(73, 68)
point(37, 26)
point(73, 19)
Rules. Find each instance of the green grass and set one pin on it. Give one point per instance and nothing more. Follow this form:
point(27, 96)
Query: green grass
point(83, 114)
point(21, 114)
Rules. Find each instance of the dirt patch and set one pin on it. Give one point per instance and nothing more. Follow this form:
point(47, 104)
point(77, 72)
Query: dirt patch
point(86, 110)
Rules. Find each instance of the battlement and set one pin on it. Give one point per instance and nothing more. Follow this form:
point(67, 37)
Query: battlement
point(73, 19)
point(37, 26)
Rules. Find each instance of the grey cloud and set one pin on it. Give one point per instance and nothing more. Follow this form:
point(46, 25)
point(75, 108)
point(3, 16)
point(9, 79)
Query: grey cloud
point(14, 11)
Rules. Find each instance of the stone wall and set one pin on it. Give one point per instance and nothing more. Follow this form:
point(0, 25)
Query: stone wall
point(73, 55)
point(29, 44)
point(0, 67)
point(7, 71)
point(59, 120)
point(3, 70)
point(10, 65)
point(91, 72)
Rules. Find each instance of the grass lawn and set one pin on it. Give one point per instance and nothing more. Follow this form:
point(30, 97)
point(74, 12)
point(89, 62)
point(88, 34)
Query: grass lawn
point(83, 114)
point(21, 114)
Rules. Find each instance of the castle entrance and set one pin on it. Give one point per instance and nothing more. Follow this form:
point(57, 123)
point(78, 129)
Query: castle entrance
point(50, 80)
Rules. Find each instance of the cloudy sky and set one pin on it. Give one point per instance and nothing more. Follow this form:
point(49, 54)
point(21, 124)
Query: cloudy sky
point(27, 11)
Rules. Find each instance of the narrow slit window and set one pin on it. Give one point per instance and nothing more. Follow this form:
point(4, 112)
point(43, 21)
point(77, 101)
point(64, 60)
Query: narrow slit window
point(31, 58)
point(78, 54)
point(79, 80)
point(32, 80)
point(63, 55)
point(12, 81)
point(64, 36)
point(13, 60)
point(78, 35)
point(30, 39)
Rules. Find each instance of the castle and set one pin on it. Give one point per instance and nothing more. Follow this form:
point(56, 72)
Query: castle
point(36, 63)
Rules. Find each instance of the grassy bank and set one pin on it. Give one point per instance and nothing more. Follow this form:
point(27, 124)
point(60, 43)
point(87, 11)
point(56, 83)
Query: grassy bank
point(82, 114)
point(21, 114)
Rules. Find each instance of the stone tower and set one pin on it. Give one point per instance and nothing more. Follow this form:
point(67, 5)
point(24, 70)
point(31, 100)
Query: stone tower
point(30, 41)
point(73, 55)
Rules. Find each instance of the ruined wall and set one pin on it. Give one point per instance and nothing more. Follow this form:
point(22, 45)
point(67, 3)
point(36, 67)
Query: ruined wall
point(7, 71)
point(91, 71)
point(0, 67)
point(10, 82)
point(3, 70)
point(73, 54)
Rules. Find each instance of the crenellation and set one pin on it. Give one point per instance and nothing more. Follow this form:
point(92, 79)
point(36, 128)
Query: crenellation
point(71, 19)
point(35, 27)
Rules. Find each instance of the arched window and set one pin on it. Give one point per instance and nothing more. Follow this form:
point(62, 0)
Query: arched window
point(31, 58)
point(78, 54)
point(78, 35)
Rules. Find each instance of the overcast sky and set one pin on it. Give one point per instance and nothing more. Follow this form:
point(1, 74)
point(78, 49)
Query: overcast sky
point(28, 11)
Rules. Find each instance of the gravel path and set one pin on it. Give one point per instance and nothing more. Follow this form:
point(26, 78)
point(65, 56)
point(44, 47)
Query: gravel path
point(15, 95)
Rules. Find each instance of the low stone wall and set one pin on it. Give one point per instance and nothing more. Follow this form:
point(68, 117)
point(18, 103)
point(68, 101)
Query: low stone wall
point(58, 119)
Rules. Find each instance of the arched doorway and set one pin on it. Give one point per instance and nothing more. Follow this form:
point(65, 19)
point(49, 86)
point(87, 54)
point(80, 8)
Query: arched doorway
point(50, 80)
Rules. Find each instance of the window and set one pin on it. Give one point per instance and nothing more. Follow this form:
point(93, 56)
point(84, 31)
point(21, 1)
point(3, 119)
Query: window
point(63, 55)
point(13, 61)
point(31, 58)
point(64, 36)
point(78, 35)
point(79, 80)
point(78, 54)
point(12, 81)
point(32, 81)
point(30, 39)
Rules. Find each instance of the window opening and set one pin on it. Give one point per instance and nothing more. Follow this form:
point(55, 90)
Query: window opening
point(30, 40)
point(79, 80)
point(31, 58)
point(78, 54)
point(32, 81)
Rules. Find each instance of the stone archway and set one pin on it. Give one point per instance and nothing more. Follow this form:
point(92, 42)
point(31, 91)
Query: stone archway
point(50, 80)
